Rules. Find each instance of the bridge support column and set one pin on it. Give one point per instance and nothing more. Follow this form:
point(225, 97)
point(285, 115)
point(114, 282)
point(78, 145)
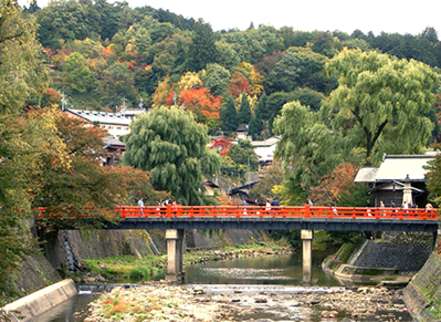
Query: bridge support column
point(175, 254)
point(306, 236)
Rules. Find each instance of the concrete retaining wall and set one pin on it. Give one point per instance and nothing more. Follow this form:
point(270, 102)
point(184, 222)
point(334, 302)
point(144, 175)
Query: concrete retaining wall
point(32, 305)
point(423, 294)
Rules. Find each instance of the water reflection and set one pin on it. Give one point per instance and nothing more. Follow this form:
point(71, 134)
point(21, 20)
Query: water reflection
point(73, 310)
point(269, 269)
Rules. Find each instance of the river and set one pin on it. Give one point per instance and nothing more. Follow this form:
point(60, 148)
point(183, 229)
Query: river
point(281, 271)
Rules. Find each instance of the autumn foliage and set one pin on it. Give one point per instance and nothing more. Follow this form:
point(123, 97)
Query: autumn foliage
point(164, 94)
point(334, 185)
point(222, 145)
point(201, 102)
point(239, 84)
point(85, 187)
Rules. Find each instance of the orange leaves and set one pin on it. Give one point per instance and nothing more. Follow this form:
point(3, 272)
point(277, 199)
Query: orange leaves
point(201, 102)
point(107, 52)
point(332, 186)
point(53, 95)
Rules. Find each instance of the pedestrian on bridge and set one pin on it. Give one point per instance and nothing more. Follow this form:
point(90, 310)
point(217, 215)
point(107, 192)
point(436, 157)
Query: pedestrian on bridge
point(141, 205)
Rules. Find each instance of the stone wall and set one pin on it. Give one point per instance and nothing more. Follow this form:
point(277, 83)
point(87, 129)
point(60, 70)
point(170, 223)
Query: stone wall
point(36, 272)
point(405, 257)
point(423, 294)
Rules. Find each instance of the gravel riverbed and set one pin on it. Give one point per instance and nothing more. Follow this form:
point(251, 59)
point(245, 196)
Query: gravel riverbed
point(160, 301)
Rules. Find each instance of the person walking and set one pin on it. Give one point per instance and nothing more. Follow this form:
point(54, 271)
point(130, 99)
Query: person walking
point(141, 205)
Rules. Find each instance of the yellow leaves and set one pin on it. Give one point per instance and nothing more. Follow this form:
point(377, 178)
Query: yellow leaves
point(253, 76)
point(189, 80)
point(130, 49)
point(46, 137)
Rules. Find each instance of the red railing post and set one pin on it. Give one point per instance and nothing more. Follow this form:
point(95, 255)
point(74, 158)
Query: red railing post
point(307, 210)
point(376, 213)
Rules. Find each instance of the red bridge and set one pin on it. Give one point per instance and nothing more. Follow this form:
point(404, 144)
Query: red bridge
point(176, 218)
point(285, 217)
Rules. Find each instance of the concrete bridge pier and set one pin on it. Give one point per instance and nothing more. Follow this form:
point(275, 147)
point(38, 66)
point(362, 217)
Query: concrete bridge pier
point(175, 255)
point(306, 236)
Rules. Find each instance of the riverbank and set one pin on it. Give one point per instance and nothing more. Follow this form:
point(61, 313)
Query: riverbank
point(152, 267)
point(159, 301)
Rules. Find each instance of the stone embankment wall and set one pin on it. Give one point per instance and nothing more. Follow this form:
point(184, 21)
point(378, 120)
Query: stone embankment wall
point(70, 247)
point(65, 250)
point(423, 294)
point(404, 257)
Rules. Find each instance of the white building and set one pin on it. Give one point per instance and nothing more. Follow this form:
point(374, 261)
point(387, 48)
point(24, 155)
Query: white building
point(116, 124)
point(265, 149)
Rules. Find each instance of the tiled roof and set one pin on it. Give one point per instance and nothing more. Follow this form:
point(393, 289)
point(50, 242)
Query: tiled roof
point(397, 167)
point(122, 118)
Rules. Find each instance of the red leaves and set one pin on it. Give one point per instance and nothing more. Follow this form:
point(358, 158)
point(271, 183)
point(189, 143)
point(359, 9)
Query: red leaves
point(222, 144)
point(239, 84)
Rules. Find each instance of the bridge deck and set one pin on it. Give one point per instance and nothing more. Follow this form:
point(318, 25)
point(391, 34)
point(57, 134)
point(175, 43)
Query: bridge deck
point(273, 218)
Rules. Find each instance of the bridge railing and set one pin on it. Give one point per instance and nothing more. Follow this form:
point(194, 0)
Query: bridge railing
point(127, 212)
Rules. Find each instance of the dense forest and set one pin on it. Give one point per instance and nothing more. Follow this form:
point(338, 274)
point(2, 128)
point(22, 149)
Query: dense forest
point(103, 56)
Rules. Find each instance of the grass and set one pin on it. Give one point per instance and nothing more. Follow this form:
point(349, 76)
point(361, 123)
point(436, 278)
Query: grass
point(435, 309)
point(128, 268)
point(151, 267)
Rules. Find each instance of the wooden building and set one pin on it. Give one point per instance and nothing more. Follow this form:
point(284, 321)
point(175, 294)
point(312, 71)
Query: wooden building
point(399, 180)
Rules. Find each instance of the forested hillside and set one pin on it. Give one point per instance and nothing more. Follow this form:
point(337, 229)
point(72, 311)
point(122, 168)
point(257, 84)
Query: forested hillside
point(349, 98)
point(103, 56)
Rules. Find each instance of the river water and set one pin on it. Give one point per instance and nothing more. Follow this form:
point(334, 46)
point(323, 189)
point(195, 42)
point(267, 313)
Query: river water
point(281, 270)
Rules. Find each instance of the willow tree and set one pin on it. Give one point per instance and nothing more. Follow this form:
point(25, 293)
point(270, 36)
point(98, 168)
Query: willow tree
point(308, 149)
point(170, 144)
point(383, 103)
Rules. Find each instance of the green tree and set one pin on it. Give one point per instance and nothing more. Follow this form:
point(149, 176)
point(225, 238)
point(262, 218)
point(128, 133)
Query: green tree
point(203, 49)
point(252, 44)
point(117, 82)
point(243, 154)
point(259, 118)
point(78, 79)
point(298, 67)
point(228, 115)
point(382, 103)
point(434, 180)
point(227, 55)
point(244, 113)
point(308, 97)
point(173, 147)
point(66, 20)
point(216, 78)
point(308, 149)
point(21, 79)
